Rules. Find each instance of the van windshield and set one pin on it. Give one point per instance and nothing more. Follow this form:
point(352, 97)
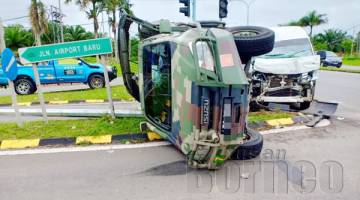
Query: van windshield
point(290, 49)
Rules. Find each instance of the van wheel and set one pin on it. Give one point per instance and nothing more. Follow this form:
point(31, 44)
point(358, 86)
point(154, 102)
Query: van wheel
point(96, 81)
point(252, 41)
point(250, 148)
point(24, 86)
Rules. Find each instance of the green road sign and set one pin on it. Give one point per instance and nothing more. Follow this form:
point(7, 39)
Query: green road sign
point(65, 50)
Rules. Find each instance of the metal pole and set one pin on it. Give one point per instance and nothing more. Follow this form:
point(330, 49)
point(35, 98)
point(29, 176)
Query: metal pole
point(247, 4)
point(2, 37)
point(61, 22)
point(15, 104)
point(40, 92)
point(108, 88)
point(352, 42)
point(193, 14)
point(247, 14)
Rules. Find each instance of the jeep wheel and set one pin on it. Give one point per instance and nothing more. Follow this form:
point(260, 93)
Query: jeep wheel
point(252, 41)
point(96, 81)
point(250, 148)
point(24, 86)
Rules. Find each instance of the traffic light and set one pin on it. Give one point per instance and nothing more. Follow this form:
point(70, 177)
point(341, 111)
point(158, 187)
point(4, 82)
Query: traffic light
point(223, 8)
point(186, 8)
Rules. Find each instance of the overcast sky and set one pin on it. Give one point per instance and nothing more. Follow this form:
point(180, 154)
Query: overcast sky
point(341, 14)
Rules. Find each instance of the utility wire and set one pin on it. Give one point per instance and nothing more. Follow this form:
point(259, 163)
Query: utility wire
point(15, 18)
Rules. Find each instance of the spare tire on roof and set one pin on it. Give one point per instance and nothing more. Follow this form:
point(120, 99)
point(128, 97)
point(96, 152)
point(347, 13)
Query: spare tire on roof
point(252, 41)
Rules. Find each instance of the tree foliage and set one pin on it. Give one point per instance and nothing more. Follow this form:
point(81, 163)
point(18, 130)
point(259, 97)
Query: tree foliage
point(92, 9)
point(312, 19)
point(16, 36)
point(332, 39)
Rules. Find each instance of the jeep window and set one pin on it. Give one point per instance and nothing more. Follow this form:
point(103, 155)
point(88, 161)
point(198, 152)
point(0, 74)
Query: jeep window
point(290, 49)
point(157, 84)
point(205, 55)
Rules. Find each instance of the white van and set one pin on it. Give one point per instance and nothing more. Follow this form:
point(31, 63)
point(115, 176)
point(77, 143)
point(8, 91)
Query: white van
point(289, 72)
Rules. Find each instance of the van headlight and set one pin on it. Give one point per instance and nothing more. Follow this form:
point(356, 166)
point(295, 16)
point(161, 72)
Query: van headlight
point(305, 78)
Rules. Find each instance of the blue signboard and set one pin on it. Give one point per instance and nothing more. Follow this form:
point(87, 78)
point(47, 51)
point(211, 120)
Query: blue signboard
point(9, 65)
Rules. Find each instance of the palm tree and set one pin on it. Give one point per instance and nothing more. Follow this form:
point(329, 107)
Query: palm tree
point(313, 19)
point(38, 19)
point(111, 7)
point(333, 38)
point(16, 37)
point(95, 8)
point(75, 33)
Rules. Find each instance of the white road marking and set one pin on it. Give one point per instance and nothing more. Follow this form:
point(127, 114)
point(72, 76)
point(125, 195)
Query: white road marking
point(111, 148)
point(12, 60)
point(82, 149)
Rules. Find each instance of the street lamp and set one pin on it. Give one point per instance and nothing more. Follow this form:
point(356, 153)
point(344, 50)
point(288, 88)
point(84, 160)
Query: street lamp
point(247, 4)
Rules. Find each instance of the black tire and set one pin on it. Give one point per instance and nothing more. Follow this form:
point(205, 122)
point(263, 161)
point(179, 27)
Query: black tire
point(24, 86)
point(252, 41)
point(96, 81)
point(251, 148)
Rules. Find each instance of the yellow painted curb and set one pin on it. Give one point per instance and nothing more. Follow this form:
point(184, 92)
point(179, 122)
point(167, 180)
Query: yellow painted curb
point(95, 101)
point(153, 136)
point(280, 122)
point(58, 102)
point(25, 104)
point(103, 139)
point(17, 144)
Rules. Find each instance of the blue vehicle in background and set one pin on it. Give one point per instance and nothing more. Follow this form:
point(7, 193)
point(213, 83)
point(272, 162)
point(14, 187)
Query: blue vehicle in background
point(54, 73)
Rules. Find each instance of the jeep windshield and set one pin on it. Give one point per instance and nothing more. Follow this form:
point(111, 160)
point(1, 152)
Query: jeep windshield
point(290, 49)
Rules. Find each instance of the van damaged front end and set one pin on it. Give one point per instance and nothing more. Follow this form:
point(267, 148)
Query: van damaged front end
point(284, 80)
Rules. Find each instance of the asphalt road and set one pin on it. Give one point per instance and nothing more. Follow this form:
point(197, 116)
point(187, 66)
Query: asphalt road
point(63, 87)
point(161, 172)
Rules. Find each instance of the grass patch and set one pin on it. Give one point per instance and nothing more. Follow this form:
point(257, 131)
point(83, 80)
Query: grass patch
point(268, 115)
point(118, 92)
point(340, 70)
point(133, 66)
point(70, 128)
point(353, 61)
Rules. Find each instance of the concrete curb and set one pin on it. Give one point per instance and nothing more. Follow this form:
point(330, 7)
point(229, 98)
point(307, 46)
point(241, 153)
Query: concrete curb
point(81, 140)
point(279, 122)
point(62, 102)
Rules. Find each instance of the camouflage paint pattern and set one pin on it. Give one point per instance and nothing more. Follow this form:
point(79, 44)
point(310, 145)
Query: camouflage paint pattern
point(209, 108)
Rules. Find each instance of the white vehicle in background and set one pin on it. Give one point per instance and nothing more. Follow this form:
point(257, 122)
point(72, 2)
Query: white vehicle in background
point(288, 73)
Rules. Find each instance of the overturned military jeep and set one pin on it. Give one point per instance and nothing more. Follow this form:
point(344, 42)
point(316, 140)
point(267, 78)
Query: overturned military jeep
point(192, 88)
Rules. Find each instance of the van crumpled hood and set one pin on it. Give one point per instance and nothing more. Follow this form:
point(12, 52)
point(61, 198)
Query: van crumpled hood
point(287, 65)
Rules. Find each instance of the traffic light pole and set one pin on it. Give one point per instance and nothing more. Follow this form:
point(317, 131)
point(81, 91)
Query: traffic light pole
point(193, 12)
